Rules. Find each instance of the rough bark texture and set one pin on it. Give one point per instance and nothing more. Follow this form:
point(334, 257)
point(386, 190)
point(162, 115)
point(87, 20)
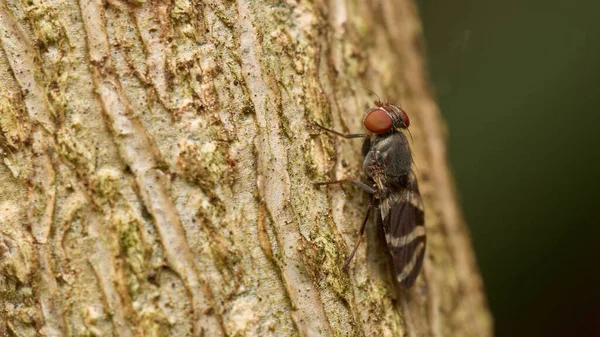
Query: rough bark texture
point(157, 169)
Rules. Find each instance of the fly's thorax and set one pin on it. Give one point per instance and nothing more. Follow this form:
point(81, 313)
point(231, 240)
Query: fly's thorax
point(389, 158)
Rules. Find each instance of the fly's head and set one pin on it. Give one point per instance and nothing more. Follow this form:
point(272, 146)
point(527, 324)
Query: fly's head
point(385, 117)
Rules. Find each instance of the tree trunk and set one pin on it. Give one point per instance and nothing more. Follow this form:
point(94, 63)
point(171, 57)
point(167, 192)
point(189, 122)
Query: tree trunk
point(157, 168)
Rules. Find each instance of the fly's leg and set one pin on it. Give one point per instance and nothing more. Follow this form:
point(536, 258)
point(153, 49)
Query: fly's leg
point(362, 186)
point(360, 236)
point(367, 189)
point(355, 182)
point(347, 136)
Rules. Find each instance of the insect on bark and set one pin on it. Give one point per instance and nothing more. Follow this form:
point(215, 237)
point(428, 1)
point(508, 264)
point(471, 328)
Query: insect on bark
point(393, 188)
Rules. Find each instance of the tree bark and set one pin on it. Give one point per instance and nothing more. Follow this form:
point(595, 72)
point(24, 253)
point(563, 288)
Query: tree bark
point(157, 168)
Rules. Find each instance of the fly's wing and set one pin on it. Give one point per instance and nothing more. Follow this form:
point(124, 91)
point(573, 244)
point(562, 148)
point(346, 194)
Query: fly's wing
point(403, 223)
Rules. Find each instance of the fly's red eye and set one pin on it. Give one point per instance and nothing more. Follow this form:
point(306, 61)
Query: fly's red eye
point(405, 118)
point(378, 121)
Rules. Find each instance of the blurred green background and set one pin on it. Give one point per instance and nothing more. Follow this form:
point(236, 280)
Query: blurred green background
point(519, 86)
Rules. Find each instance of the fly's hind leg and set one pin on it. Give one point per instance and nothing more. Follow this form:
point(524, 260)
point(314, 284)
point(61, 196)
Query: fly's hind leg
point(360, 235)
point(366, 188)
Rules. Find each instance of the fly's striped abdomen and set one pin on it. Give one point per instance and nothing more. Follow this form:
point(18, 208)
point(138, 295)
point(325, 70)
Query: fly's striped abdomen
point(403, 223)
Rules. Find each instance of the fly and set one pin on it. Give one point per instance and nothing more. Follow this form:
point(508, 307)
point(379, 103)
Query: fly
point(393, 188)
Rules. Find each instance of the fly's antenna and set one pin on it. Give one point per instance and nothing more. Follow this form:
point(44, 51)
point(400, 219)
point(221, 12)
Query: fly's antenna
point(373, 92)
point(411, 140)
point(410, 134)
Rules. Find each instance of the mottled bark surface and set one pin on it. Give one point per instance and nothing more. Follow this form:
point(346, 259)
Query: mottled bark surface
point(157, 169)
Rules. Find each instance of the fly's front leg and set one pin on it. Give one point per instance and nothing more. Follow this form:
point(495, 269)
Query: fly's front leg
point(362, 186)
point(345, 135)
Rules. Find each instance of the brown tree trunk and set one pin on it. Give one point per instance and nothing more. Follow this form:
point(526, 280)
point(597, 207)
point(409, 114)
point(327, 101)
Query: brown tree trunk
point(157, 168)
